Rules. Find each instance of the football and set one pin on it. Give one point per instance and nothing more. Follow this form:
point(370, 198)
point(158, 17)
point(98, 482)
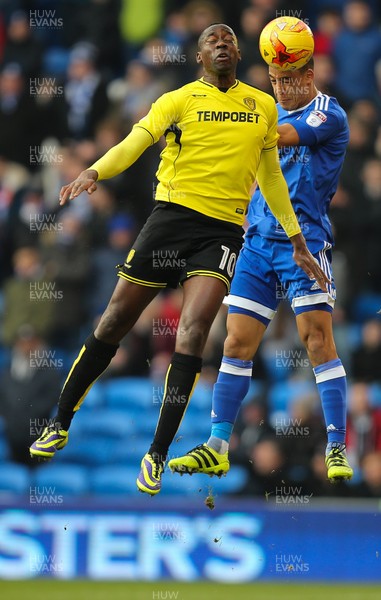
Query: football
point(286, 43)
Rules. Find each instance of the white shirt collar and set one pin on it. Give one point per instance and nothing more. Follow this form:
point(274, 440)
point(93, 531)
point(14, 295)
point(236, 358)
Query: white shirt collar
point(290, 112)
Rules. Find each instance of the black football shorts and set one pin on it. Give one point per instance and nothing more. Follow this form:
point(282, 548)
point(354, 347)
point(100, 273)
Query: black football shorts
point(177, 243)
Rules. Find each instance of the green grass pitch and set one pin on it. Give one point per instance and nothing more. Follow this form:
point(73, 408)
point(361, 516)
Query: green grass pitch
point(172, 590)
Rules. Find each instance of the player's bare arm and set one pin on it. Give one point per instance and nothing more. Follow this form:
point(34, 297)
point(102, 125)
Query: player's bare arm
point(288, 136)
point(304, 259)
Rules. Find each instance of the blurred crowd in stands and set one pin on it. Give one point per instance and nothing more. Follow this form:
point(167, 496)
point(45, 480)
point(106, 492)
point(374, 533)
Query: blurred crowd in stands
point(74, 76)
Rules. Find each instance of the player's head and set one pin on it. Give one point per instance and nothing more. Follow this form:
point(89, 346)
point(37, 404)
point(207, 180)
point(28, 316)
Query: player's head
point(293, 89)
point(218, 49)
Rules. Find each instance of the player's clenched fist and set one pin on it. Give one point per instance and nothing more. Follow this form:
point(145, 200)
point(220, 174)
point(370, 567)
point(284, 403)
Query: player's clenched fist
point(85, 181)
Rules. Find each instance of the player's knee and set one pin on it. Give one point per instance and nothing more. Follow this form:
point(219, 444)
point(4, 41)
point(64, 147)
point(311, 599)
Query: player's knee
point(115, 323)
point(314, 341)
point(191, 337)
point(237, 346)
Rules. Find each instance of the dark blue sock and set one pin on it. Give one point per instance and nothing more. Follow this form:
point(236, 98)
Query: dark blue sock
point(332, 386)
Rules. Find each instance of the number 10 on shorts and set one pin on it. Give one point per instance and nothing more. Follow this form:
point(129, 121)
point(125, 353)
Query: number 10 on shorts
point(228, 260)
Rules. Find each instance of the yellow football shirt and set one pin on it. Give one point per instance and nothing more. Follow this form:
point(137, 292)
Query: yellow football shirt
point(214, 142)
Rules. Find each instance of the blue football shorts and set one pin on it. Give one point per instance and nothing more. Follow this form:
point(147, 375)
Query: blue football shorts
point(266, 273)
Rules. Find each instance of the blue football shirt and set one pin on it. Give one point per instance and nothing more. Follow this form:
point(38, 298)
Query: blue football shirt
point(311, 170)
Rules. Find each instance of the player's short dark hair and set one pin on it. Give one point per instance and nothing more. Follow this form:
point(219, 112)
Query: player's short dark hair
point(309, 65)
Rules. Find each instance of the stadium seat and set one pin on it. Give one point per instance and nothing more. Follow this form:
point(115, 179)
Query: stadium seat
point(94, 397)
point(282, 394)
point(257, 388)
point(56, 479)
point(114, 480)
point(88, 451)
point(132, 450)
point(202, 396)
point(4, 449)
point(354, 335)
point(14, 478)
point(277, 370)
point(124, 391)
point(143, 421)
point(105, 422)
point(366, 306)
point(196, 427)
point(94, 400)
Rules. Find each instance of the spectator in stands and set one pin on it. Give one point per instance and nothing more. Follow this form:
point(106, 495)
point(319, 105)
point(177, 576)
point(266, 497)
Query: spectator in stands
point(85, 92)
point(105, 258)
point(166, 322)
point(360, 40)
point(103, 208)
point(51, 107)
point(21, 47)
point(371, 197)
point(317, 484)
point(137, 24)
point(258, 76)
point(27, 388)
point(360, 148)
point(132, 96)
point(325, 75)
point(366, 359)
point(368, 112)
point(267, 469)
point(328, 26)
point(364, 424)
point(27, 296)
point(253, 19)
point(252, 427)
point(26, 217)
point(18, 116)
point(98, 23)
point(370, 486)
point(300, 435)
point(175, 30)
point(67, 261)
point(13, 177)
